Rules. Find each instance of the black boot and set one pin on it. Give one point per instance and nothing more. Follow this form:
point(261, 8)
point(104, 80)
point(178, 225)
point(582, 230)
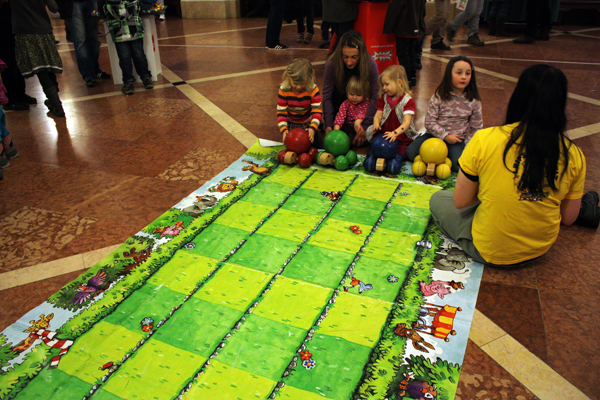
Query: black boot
point(589, 213)
point(418, 64)
point(53, 103)
point(501, 28)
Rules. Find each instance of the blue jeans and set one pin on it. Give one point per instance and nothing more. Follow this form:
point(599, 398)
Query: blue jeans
point(84, 30)
point(3, 131)
point(472, 13)
point(132, 49)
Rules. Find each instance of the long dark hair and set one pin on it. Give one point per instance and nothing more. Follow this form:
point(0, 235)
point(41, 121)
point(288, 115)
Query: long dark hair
point(538, 104)
point(444, 89)
point(354, 40)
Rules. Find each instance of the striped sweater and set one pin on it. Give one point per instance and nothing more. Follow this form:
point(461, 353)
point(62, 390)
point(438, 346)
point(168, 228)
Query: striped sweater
point(299, 108)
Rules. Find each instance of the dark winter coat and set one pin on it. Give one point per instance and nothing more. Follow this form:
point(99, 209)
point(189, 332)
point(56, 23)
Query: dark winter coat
point(405, 18)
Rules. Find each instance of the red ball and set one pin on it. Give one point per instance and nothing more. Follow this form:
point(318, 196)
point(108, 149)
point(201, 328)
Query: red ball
point(313, 152)
point(304, 160)
point(281, 155)
point(297, 140)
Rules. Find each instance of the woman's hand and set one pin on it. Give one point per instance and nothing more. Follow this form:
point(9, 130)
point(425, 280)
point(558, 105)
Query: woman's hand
point(453, 139)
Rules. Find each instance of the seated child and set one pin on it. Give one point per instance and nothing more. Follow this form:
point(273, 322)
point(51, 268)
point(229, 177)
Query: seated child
point(454, 111)
point(299, 99)
point(395, 109)
point(352, 111)
point(125, 26)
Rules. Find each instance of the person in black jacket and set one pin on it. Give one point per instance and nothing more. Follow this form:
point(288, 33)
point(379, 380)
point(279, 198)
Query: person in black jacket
point(406, 20)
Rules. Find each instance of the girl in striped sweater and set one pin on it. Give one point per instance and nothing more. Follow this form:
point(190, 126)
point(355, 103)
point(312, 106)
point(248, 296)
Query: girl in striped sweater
point(299, 99)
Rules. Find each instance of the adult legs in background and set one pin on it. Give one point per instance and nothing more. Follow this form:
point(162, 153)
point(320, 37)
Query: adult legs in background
point(473, 24)
point(274, 24)
point(339, 29)
point(419, 52)
point(539, 22)
point(405, 50)
point(84, 31)
point(437, 25)
point(474, 8)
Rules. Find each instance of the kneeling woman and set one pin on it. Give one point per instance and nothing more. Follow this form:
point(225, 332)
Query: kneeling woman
point(517, 182)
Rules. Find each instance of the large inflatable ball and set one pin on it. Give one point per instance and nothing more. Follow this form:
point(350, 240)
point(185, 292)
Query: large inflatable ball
point(298, 141)
point(433, 150)
point(336, 143)
point(381, 148)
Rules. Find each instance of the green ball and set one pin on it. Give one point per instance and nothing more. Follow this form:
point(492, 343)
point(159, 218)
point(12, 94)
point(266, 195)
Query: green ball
point(336, 143)
point(341, 163)
point(352, 158)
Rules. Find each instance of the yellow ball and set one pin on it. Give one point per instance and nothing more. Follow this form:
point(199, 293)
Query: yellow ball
point(442, 171)
point(417, 158)
point(448, 162)
point(434, 150)
point(419, 168)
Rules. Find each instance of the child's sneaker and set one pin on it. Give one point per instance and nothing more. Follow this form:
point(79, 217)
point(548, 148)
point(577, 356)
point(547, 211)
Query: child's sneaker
point(308, 38)
point(11, 152)
point(127, 88)
point(148, 84)
point(4, 161)
point(300, 37)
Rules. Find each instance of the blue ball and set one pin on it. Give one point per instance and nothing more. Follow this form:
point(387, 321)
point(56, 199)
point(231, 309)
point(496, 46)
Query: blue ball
point(381, 148)
point(370, 163)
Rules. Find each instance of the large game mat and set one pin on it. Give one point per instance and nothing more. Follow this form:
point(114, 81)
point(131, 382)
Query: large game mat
point(270, 281)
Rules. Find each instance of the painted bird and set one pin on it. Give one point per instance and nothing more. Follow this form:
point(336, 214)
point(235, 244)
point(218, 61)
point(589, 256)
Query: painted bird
point(93, 285)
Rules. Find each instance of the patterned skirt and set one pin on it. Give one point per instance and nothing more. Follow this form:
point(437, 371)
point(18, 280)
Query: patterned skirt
point(36, 53)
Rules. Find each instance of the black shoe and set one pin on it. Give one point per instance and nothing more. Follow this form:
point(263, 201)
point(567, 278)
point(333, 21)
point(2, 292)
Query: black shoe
point(102, 75)
point(148, 84)
point(475, 41)
point(589, 213)
point(127, 88)
point(412, 82)
point(16, 106)
point(441, 46)
point(325, 44)
point(90, 82)
point(29, 100)
point(58, 111)
point(278, 47)
point(1, 176)
point(418, 64)
point(542, 36)
point(524, 40)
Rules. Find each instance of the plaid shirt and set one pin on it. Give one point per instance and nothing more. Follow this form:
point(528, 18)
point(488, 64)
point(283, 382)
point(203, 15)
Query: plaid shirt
point(123, 20)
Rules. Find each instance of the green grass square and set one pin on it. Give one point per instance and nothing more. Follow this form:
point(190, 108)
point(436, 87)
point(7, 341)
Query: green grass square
point(376, 272)
point(156, 371)
point(356, 318)
point(417, 196)
point(205, 324)
point(308, 202)
point(367, 187)
point(86, 356)
point(264, 253)
point(102, 394)
point(222, 382)
point(183, 272)
point(148, 301)
point(406, 219)
point(262, 346)
point(319, 265)
point(244, 215)
point(64, 386)
point(234, 286)
point(216, 241)
point(293, 302)
point(336, 235)
point(288, 175)
point(358, 210)
point(289, 225)
point(388, 245)
point(338, 368)
point(290, 392)
point(328, 180)
point(267, 193)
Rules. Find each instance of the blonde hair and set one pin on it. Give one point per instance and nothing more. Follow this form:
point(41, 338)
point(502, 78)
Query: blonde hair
point(395, 73)
point(358, 87)
point(299, 71)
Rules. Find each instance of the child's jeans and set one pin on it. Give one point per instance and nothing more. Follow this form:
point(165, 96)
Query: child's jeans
point(133, 49)
point(3, 131)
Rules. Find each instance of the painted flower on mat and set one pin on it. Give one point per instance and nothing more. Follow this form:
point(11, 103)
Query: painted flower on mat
point(305, 355)
point(392, 279)
point(190, 245)
point(308, 364)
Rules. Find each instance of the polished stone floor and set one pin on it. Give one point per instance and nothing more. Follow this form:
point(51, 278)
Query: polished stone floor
point(85, 183)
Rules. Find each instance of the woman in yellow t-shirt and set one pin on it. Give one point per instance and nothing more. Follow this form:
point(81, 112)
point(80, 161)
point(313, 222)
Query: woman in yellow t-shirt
point(518, 182)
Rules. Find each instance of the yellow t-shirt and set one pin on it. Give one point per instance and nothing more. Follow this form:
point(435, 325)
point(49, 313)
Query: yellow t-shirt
point(511, 226)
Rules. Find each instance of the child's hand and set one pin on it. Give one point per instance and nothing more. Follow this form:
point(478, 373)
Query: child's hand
point(328, 129)
point(311, 134)
point(358, 127)
point(284, 135)
point(336, 127)
point(376, 126)
point(390, 136)
point(453, 139)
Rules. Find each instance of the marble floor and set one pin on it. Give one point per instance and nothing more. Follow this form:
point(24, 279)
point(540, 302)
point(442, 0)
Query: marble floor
point(85, 183)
